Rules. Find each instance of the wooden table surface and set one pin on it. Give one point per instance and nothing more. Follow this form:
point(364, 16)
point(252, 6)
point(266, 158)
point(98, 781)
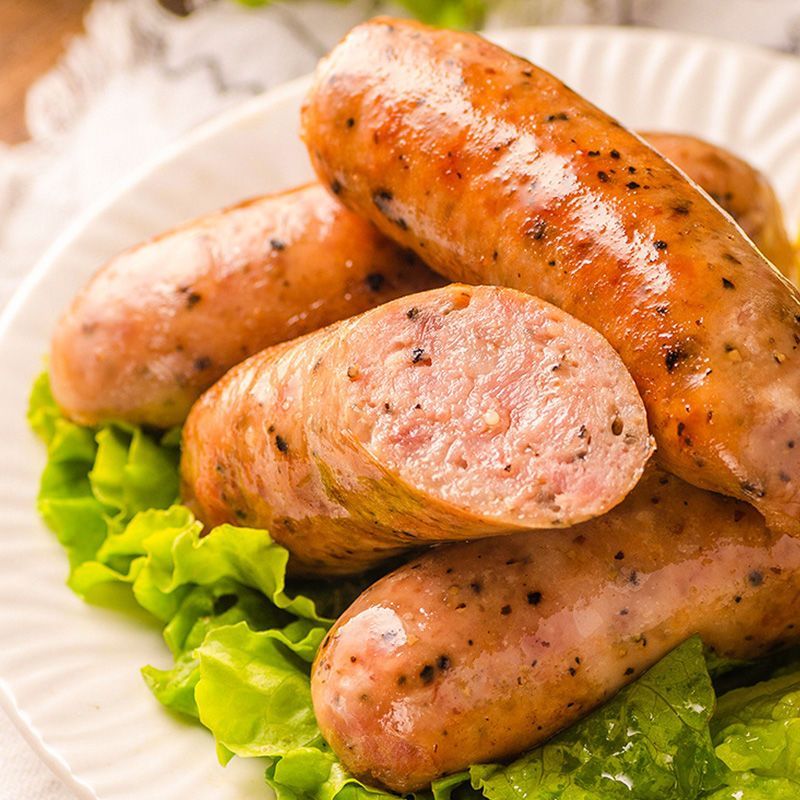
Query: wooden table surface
point(33, 34)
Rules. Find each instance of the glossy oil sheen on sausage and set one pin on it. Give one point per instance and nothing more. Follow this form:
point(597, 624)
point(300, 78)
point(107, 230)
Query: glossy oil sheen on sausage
point(128, 352)
point(495, 172)
point(476, 652)
point(447, 415)
point(737, 188)
point(162, 321)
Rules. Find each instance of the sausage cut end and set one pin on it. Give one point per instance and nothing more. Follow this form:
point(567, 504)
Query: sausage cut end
point(497, 402)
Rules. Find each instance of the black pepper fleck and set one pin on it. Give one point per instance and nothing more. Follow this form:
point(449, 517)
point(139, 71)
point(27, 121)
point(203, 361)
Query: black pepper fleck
point(755, 578)
point(752, 489)
point(539, 229)
point(375, 281)
point(672, 357)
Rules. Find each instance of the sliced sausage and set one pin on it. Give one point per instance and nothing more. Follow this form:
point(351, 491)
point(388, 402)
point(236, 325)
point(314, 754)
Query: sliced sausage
point(737, 187)
point(476, 652)
point(495, 172)
point(162, 321)
point(452, 414)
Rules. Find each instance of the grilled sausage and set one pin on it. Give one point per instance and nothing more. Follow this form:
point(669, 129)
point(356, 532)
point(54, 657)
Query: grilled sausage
point(117, 354)
point(495, 172)
point(452, 414)
point(162, 321)
point(476, 652)
point(737, 187)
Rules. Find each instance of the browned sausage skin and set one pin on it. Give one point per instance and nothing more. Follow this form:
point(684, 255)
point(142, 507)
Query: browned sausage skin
point(162, 321)
point(496, 172)
point(126, 351)
point(476, 652)
point(447, 415)
point(737, 187)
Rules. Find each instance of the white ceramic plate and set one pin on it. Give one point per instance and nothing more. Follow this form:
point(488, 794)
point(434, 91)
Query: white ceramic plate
point(69, 671)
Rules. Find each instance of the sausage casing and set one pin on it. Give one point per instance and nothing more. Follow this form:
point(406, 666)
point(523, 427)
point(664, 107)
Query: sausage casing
point(737, 188)
point(476, 652)
point(495, 172)
point(129, 348)
point(162, 321)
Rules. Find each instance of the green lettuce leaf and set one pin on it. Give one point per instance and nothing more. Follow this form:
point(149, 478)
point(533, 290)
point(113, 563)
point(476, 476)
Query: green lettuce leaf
point(314, 773)
point(756, 732)
point(65, 501)
point(747, 786)
point(96, 479)
point(651, 741)
point(163, 555)
point(254, 692)
point(446, 13)
point(203, 609)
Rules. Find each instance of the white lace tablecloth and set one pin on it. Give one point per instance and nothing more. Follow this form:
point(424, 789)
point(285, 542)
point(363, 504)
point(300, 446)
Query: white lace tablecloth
point(140, 77)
